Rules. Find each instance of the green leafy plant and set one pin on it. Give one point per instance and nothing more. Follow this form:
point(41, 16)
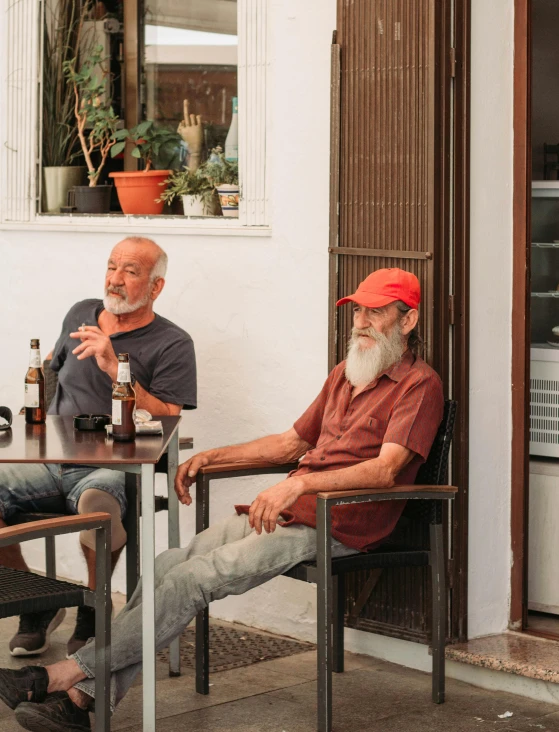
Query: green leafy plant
point(60, 45)
point(96, 121)
point(150, 143)
point(218, 171)
point(188, 183)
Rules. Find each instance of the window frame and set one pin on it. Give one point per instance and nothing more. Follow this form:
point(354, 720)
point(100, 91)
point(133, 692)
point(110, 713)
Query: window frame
point(20, 155)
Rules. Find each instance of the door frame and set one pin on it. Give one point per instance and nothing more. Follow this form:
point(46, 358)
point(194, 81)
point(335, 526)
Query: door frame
point(520, 373)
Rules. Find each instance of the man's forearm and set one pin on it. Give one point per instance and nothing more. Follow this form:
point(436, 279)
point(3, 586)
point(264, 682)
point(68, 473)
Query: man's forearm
point(145, 400)
point(270, 449)
point(369, 474)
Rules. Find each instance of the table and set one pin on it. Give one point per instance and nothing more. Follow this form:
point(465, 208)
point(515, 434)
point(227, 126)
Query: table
point(58, 442)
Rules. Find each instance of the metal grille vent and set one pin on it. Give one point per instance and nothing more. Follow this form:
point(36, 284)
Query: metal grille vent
point(544, 412)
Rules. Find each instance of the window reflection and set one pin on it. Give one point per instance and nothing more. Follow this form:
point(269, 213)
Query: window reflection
point(190, 69)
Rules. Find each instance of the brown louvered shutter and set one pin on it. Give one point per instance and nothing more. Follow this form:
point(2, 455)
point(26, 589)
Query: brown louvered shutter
point(391, 194)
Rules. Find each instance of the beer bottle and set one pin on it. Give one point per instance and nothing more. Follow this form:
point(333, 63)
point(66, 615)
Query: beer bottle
point(124, 403)
point(35, 412)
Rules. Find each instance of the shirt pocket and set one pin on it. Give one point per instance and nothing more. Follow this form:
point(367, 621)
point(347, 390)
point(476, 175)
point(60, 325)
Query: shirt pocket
point(368, 436)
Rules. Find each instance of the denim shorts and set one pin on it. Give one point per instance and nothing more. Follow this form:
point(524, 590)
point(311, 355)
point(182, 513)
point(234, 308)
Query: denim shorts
point(54, 488)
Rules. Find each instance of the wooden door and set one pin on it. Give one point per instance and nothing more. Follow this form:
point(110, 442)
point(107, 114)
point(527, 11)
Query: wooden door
point(399, 199)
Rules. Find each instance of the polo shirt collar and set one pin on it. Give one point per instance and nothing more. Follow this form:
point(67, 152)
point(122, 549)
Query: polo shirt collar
point(399, 369)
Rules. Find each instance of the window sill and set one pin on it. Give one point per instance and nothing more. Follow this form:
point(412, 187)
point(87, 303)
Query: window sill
point(137, 225)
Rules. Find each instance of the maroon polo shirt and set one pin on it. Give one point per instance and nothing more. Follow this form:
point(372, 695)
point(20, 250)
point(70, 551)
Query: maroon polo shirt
point(404, 405)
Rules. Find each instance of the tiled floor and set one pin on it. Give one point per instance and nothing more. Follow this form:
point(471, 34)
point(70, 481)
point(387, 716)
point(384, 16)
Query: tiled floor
point(280, 696)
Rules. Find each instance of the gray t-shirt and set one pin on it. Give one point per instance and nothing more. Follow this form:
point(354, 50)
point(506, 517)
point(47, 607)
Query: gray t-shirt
point(161, 358)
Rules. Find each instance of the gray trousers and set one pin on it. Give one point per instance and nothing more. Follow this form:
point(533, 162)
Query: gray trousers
point(228, 558)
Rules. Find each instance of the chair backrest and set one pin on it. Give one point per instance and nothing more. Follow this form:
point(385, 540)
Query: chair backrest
point(550, 149)
point(434, 469)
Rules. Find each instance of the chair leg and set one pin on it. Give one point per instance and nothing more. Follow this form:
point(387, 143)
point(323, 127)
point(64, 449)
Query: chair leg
point(439, 611)
point(50, 553)
point(132, 527)
point(103, 629)
point(324, 617)
point(338, 622)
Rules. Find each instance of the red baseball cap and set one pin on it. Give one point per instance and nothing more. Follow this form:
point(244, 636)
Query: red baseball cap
point(385, 286)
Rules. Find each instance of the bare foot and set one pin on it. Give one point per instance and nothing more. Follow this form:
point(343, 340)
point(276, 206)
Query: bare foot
point(63, 675)
point(79, 697)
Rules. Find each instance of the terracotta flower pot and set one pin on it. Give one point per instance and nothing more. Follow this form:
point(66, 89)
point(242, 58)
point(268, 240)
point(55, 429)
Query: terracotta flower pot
point(138, 190)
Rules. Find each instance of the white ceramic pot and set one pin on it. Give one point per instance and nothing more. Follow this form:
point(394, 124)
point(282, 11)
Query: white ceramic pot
point(229, 199)
point(193, 206)
point(56, 184)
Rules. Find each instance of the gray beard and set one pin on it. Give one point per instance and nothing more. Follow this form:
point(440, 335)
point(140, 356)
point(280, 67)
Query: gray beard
point(121, 306)
point(364, 365)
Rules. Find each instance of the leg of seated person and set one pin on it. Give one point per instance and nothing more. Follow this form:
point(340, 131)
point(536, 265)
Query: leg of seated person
point(26, 489)
point(228, 558)
point(29, 489)
point(94, 500)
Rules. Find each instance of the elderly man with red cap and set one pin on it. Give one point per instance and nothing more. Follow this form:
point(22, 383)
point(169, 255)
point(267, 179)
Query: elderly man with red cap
point(372, 425)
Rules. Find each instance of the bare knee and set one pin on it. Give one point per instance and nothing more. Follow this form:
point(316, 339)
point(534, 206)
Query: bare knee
point(93, 500)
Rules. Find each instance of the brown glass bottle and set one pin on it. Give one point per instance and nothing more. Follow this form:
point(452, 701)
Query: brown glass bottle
point(35, 412)
point(124, 403)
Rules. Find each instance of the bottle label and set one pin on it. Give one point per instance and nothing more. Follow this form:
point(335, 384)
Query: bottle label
point(117, 411)
point(123, 375)
point(32, 396)
point(35, 359)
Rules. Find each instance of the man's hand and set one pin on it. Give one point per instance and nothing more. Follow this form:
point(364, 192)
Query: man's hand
point(267, 506)
point(186, 475)
point(95, 343)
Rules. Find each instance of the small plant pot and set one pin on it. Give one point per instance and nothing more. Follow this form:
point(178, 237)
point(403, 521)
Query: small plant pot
point(92, 199)
point(229, 199)
point(138, 190)
point(196, 206)
point(57, 181)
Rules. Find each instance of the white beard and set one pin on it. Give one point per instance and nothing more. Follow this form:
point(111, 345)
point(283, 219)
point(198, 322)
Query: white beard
point(364, 365)
point(120, 305)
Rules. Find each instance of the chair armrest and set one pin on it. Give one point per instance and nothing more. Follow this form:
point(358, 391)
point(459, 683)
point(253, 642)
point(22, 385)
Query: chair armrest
point(397, 493)
point(53, 527)
point(254, 468)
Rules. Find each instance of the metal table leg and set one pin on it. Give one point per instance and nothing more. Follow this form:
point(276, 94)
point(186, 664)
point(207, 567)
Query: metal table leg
point(148, 595)
point(174, 535)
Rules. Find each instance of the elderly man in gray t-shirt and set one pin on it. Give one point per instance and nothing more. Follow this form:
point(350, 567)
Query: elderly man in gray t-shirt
point(163, 369)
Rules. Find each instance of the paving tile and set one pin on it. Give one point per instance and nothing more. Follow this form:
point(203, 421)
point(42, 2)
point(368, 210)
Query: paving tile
point(178, 695)
point(546, 723)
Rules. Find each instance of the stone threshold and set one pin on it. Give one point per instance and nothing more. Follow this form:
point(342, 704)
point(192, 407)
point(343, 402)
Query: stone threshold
point(511, 652)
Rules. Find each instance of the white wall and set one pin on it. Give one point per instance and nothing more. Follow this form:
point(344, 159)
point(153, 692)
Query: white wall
point(490, 310)
point(256, 307)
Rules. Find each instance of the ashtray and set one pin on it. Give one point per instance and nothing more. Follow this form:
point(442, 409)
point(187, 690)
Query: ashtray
point(91, 422)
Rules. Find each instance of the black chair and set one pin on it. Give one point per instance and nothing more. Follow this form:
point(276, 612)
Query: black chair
point(133, 496)
point(550, 160)
point(25, 592)
point(429, 494)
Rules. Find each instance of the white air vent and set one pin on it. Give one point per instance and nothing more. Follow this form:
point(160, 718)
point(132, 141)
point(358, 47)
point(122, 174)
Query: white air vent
point(544, 404)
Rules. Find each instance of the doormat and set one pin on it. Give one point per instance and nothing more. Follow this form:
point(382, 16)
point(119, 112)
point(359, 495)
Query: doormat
point(234, 646)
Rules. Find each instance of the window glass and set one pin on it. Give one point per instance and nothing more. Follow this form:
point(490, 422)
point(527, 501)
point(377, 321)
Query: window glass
point(190, 75)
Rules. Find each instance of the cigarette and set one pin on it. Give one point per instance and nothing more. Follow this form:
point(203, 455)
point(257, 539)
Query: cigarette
point(82, 327)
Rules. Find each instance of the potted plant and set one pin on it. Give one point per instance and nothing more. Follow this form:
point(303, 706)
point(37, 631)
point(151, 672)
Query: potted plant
point(60, 146)
point(139, 191)
point(196, 192)
point(96, 124)
point(224, 176)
